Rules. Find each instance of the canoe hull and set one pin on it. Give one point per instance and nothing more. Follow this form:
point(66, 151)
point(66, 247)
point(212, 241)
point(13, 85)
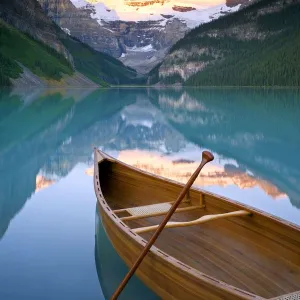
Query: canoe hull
point(266, 238)
point(166, 280)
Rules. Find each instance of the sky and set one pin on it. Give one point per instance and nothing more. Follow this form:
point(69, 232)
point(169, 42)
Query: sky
point(193, 3)
point(121, 10)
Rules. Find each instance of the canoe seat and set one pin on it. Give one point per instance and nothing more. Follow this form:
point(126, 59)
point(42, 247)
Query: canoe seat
point(149, 209)
point(152, 210)
point(201, 220)
point(292, 296)
point(145, 209)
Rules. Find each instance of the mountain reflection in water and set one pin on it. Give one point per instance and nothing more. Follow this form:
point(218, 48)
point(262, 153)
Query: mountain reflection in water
point(258, 129)
point(254, 135)
point(181, 170)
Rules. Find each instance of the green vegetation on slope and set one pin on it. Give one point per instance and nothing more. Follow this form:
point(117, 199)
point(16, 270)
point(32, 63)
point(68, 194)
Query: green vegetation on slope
point(153, 76)
point(28, 37)
point(100, 67)
point(266, 55)
point(16, 47)
point(274, 61)
point(271, 63)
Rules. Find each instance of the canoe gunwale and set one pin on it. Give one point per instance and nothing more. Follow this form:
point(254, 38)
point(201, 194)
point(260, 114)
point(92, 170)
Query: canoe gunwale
point(182, 267)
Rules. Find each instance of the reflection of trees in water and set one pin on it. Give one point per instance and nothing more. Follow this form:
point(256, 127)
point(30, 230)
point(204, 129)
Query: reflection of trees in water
point(56, 131)
point(138, 125)
point(260, 129)
point(31, 135)
point(23, 149)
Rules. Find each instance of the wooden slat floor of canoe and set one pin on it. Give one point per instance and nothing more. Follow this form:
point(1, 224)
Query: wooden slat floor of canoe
point(223, 249)
point(227, 256)
point(213, 250)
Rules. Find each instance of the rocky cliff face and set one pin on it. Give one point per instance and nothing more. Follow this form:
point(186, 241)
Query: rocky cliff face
point(79, 23)
point(44, 64)
point(28, 17)
point(131, 42)
point(144, 44)
point(139, 33)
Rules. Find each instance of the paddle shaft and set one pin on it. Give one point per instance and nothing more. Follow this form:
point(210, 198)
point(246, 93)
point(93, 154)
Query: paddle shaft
point(206, 157)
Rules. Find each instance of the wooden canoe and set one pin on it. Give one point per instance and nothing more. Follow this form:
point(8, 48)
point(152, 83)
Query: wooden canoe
point(242, 253)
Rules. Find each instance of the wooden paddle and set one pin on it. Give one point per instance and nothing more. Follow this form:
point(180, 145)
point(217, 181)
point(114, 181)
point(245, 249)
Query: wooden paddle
point(206, 157)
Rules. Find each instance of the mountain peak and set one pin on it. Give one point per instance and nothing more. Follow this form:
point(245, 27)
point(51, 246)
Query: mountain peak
point(138, 32)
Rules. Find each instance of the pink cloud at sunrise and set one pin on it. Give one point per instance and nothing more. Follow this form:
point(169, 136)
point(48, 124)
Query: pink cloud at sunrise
point(135, 10)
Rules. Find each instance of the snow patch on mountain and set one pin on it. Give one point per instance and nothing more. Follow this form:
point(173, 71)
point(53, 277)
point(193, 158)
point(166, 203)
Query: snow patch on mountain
point(67, 31)
point(99, 10)
point(148, 48)
point(197, 17)
point(79, 3)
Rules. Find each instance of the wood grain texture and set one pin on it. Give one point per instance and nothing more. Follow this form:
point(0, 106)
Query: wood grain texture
point(179, 210)
point(199, 221)
point(255, 257)
point(206, 158)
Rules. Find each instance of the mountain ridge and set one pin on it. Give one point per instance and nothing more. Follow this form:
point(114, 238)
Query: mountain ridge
point(126, 32)
point(36, 51)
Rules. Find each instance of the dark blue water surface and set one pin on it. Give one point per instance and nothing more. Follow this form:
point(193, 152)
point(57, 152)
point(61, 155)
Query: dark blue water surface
point(52, 243)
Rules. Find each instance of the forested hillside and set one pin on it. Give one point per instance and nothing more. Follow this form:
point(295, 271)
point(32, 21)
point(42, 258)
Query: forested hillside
point(18, 49)
point(100, 67)
point(257, 46)
point(30, 39)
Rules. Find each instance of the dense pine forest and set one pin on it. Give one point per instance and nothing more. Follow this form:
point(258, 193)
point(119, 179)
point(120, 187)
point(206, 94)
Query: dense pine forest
point(257, 46)
point(100, 67)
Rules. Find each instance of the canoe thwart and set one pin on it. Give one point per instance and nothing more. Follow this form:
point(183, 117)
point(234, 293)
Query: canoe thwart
point(201, 220)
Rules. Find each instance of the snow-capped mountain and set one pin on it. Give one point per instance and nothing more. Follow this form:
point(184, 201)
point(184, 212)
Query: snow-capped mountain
point(139, 33)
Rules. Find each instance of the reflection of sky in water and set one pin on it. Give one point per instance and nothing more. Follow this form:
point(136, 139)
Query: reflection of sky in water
point(236, 184)
point(48, 251)
point(47, 202)
point(257, 198)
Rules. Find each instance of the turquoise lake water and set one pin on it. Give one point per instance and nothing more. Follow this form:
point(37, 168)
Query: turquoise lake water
point(52, 243)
